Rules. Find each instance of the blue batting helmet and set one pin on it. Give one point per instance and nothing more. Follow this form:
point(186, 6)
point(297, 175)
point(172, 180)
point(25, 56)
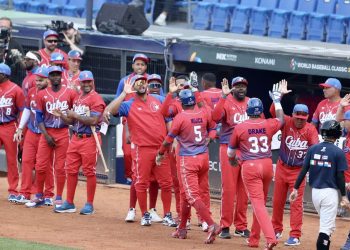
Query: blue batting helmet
point(57, 57)
point(5, 69)
point(187, 97)
point(255, 107)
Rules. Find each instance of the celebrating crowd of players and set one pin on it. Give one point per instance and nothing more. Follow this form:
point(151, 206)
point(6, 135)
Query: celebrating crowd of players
point(165, 145)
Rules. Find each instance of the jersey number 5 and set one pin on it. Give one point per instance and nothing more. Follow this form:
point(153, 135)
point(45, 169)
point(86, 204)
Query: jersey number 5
point(198, 133)
point(258, 144)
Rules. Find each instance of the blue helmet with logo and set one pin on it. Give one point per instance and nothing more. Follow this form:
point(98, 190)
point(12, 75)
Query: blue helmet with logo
point(255, 107)
point(187, 97)
point(5, 69)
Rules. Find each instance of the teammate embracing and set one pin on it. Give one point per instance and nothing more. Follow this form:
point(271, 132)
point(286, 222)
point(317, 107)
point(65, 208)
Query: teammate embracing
point(297, 136)
point(326, 164)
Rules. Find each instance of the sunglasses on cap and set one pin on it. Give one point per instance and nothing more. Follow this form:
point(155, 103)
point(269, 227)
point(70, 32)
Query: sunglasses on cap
point(52, 41)
point(155, 85)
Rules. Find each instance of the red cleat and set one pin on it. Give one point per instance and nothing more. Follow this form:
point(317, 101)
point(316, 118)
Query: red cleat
point(213, 230)
point(180, 233)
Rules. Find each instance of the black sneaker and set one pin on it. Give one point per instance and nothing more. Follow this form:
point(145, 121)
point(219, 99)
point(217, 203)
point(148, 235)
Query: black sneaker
point(225, 233)
point(242, 233)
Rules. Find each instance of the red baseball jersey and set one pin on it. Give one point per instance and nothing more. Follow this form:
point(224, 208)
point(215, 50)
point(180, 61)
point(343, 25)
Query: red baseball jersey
point(145, 120)
point(211, 96)
point(45, 58)
point(172, 104)
point(28, 82)
point(30, 103)
point(48, 100)
point(91, 102)
point(295, 142)
point(191, 128)
point(346, 149)
point(230, 113)
point(253, 138)
point(71, 79)
point(326, 110)
point(11, 101)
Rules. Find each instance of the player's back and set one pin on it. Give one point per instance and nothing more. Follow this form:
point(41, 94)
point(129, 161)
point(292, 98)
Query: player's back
point(193, 131)
point(254, 137)
point(211, 96)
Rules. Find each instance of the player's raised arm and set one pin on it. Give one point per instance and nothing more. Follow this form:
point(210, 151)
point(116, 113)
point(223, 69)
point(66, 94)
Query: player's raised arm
point(218, 111)
point(344, 102)
point(276, 95)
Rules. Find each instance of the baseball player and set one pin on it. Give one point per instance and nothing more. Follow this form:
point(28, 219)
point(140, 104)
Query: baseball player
point(193, 127)
point(71, 76)
point(147, 131)
point(50, 38)
point(154, 82)
point(326, 164)
point(31, 142)
point(231, 111)
point(82, 151)
point(297, 136)
point(31, 62)
point(54, 135)
point(253, 139)
point(211, 94)
point(11, 106)
point(327, 109)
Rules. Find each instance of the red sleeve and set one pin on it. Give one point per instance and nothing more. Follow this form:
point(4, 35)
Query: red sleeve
point(198, 97)
point(174, 131)
point(234, 139)
point(39, 102)
point(211, 125)
point(219, 111)
point(274, 125)
point(98, 104)
point(73, 95)
point(166, 105)
point(19, 99)
point(313, 135)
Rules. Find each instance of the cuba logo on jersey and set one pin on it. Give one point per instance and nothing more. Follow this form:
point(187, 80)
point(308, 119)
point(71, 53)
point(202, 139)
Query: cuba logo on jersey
point(154, 106)
point(297, 144)
point(80, 109)
point(326, 116)
point(6, 102)
point(56, 105)
point(239, 118)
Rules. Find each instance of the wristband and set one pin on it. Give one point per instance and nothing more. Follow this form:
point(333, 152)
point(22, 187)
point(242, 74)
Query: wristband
point(224, 96)
point(278, 106)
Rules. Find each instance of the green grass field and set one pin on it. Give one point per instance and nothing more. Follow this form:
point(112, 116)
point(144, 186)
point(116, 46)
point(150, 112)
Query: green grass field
point(10, 244)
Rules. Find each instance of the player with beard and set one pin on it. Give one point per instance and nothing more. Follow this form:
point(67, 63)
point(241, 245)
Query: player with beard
point(147, 132)
point(50, 38)
point(31, 61)
point(230, 111)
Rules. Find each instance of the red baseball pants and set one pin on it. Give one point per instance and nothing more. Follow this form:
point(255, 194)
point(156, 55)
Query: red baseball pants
point(232, 190)
point(257, 175)
point(58, 153)
point(144, 165)
point(285, 178)
point(30, 149)
point(82, 152)
point(7, 130)
point(176, 187)
point(194, 180)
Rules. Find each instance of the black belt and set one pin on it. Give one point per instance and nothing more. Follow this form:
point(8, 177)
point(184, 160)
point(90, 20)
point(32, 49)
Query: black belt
point(81, 135)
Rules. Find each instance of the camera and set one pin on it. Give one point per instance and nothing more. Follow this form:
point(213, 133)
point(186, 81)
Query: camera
point(4, 33)
point(60, 26)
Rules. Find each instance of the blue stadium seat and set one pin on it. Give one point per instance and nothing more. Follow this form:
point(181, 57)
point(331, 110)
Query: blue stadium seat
point(299, 19)
point(280, 17)
point(74, 10)
point(241, 15)
point(4, 3)
point(20, 5)
point(338, 23)
point(316, 26)
point(222, 12)
point(202, 15)
point(37, 6)
point(260, 16)
point(56, 7)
